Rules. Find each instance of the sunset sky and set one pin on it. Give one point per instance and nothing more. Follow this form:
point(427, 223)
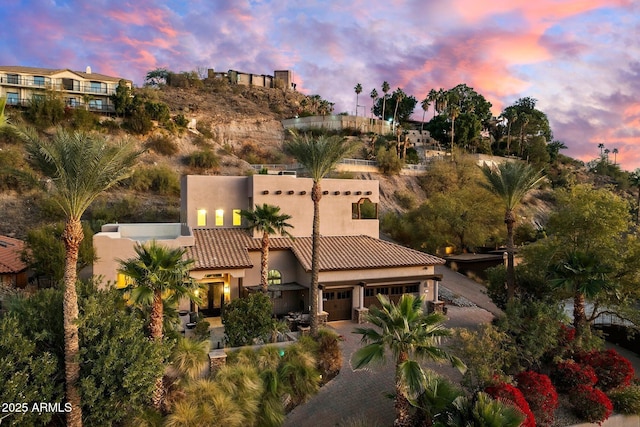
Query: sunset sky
point(579, 58)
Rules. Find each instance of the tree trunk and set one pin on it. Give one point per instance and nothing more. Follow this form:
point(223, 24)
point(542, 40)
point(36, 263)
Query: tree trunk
point(72, 236)
point(579, 316)
point(509, 219)
point(155, 328)
point(316, 195)
point(401, 404)
point(264, 263)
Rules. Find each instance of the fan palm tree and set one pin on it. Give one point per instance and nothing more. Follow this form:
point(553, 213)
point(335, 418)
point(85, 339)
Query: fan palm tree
point(511, 115)
point(399, 97)
point(482, 410)
point(319, 156)
point(601, 147)
point(511, 181)
point(158, 275)
point(374, 97)
point(425, 106)
point(385, 90)
point(410, 335)
point(615, 155)
point(432, 97)
point(358, 90)
point(454, 112)
point(267, 220)
point(606, 154)
point(81, 166)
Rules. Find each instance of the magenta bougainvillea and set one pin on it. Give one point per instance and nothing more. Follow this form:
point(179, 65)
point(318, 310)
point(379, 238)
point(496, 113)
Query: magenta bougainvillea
point(507, 392)
point(541, 395)
point(568, 374)
point(590, 404)
point(610, 367)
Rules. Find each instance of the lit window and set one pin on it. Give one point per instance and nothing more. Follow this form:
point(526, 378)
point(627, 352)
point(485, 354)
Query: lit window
point(274, 277)
point(219, 217)
point(237, 218)
point(202, 217)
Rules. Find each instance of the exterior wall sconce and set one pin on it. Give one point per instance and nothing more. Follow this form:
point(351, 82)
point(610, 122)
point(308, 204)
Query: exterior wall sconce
point(265, 192)
point(357, 193)
point(279, 192)
point(325, 192)
point(347, 193)
point(336, 193)
point(368, 193)
point(302, 193)
point(290, 192)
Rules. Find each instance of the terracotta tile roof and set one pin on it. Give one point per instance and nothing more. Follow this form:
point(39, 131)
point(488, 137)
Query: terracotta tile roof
point(229, 248)
point(359, 252)
point(51, 71)
point(10, 250)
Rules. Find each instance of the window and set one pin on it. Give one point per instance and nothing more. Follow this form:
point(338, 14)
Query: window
point(72, 102)
point(344, 294)
point(274, 277)
point(97, 87)
point(237, 218)
point(95, 104)
point(38, 81)
point(12, 98)
point(411, 289)
point(219, 217)
point(364, 209)
point(202, 218)
point(13, 79)
point(396, 290)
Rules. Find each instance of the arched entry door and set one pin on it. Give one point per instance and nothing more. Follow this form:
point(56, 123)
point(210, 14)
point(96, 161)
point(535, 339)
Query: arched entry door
point(212, 304)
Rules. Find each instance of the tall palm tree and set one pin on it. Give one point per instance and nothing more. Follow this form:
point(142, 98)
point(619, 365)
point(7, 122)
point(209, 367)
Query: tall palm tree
point(601, 147)
point(432, 97)
point(410, 335)
point(511, 181)
point(267, 220)
point(454, 112)
point(399, 97)
point(158, 275)
point(615, 155)
point(385, 89)
point(374, 97)
point(425, 106)
point(319, 156)
point(81, 166)
point(358, 90)
point(606, 154)
point(511, 115)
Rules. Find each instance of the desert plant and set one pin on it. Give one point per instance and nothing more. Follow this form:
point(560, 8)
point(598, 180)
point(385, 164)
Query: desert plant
point(509, 393)
point(567, 375)
point(541, 395)
point(189, 357)
point(329, 354)
point(612, 370)
point(247, 319)
point(158, 179)
point(590, 404)
point(388, 162)
point(626, 400)
point(201, 331)
point(162, 144)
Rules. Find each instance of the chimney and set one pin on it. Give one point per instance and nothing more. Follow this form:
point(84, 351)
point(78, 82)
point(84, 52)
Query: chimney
point(88, 70)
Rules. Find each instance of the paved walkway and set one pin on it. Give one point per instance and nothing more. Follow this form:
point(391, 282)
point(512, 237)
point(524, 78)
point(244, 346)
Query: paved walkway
point(362, 395)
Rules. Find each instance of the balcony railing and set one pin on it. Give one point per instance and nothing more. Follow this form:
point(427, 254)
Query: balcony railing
point(96, 108)
point(76, 86)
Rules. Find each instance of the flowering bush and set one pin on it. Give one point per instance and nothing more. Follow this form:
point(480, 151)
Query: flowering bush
point(568, 374)
point(509, 393)
point(541, 395)
point(612, 370)
point(590, 404)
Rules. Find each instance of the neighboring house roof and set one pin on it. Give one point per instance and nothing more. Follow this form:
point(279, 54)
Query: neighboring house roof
point(229, 248)
point(10, 251)
point(50, 71)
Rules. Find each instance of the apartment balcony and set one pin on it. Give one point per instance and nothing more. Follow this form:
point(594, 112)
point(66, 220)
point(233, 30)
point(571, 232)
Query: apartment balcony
point(93, 106)
point(65, 85)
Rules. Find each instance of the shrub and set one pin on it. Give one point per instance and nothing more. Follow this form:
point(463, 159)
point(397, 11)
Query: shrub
point(507, 392)
point(612, 370)
point(247, 319)
point(329, 354)
point(567, 375)
point(82, 119)
point(405, 199)
point(388, 162)
point(46, 111)
point(626, 400)
point(201, 331)
point(162, 144)
point(181, 120)
point(159, 179)
point(590, 404)
point(202, 159)
point(541, 395)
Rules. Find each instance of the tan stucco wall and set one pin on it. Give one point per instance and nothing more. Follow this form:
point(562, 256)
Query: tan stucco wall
point(212, 193)
point(281, 260)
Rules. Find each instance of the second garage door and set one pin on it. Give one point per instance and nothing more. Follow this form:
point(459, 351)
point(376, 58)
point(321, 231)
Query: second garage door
point(338, 303)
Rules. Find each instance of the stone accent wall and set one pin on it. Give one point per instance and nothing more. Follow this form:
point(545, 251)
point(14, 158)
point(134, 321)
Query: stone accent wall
point(360, 315)
point(217, 359)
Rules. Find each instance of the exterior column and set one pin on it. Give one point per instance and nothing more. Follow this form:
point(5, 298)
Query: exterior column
point(320, 300)
point(436, 283)
point(361, 295)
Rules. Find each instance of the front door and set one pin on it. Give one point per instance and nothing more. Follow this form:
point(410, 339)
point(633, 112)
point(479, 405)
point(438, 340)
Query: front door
point(212, 305)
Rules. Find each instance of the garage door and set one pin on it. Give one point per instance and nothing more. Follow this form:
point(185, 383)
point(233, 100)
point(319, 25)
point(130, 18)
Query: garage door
point(393, 292)
point(338, 303)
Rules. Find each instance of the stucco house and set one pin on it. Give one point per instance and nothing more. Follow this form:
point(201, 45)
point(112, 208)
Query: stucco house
point(13, 271)
point(21, 85)
point(355, 264)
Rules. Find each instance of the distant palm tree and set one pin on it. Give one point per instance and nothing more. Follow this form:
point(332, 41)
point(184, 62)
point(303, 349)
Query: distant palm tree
point(601, 147)
point(410, 335)
point(606, 154)
point(158, 275)
point(319, 156)
point(615, 155)
point(374, 97)
point(454, 112)
point(511, 181)
point(266, 219)
point(432, 97)
point(399, 94)
point(425, 106)
point(358, 90)
point(385, 89)
point(511, 115)
point(81, 167)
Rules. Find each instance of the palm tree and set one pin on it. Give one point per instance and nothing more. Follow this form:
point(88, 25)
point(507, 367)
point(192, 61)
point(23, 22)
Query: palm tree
point(481, 410)
point(454, 112)
point(374, 97)
point(385, 89)
point(358, 90)
point(606, 154)
point(319, 156)
point(267, 220)
point(511, 115)
point(425, 106)
point(399, 97)
point(81, 166)
point(410, 335)
point(601, 147)
point(615, 155)
point(511, 181)
point(158, 275)
point(432, 97)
